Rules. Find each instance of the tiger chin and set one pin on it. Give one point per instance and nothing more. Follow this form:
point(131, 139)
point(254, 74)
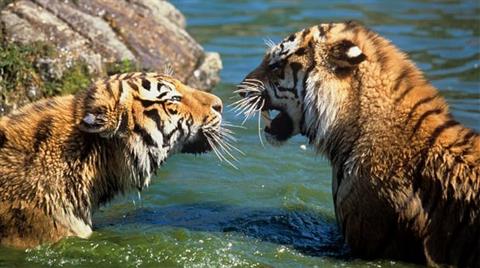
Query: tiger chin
point(405, 174)
point(61, 158)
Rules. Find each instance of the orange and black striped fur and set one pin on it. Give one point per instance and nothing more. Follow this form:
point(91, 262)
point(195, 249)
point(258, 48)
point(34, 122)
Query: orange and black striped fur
point(406, 175)
point(61, 158)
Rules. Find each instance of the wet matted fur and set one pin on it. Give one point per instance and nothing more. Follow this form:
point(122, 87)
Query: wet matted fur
point(405, 173)
point(63, 157)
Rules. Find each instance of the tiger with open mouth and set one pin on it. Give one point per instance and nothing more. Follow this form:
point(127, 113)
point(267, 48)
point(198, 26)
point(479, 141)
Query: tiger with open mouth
point(406, 175)
point(61, 158)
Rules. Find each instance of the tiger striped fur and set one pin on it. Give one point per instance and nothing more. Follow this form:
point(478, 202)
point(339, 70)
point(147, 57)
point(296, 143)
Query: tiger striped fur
point(405, 174)
point(61, 158)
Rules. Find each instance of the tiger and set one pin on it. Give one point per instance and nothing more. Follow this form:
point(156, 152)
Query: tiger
point(62, 158)
point(405, 174)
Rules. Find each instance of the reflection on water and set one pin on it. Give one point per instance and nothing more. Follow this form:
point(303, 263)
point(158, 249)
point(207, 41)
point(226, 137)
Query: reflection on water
point(276, 210)
point(306, 232)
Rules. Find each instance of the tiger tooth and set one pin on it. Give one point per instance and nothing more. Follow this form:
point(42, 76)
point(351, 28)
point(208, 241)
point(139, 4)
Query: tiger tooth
point(266, 118)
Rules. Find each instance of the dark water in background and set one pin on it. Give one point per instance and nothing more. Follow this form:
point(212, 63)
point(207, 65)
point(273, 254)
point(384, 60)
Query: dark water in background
point(276, 210)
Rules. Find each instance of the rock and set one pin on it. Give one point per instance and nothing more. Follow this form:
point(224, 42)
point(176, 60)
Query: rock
point(150, 33)
point(27, 22)
point(207, 75)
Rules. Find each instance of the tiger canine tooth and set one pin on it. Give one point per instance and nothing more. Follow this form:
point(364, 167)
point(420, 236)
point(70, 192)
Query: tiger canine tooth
point(266, 118)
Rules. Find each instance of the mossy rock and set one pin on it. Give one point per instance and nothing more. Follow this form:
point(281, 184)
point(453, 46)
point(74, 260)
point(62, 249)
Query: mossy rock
point(58, 47)
point(27, 73)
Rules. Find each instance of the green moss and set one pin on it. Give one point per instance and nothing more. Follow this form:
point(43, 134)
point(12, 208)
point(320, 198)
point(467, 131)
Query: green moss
point(17, 65)
point(21, 70)
point(124, 66)
point(74, 79)
point(22, 67)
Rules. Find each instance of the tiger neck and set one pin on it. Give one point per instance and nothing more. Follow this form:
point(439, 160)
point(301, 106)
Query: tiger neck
point(109, 167)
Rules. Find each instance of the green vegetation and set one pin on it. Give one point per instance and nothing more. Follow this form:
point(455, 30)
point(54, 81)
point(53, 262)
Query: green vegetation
point(123, 66)
point(19, 70)
point(23, 67)
point(17, 65)
point(74, 79)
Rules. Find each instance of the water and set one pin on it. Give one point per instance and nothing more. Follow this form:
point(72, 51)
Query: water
point(276, 210)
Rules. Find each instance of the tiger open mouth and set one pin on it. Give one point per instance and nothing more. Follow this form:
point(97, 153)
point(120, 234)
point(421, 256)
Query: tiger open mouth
point(280, 127)
point(197, 145)
point(256, 99)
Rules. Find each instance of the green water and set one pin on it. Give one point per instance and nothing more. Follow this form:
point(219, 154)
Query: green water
point(276, 210)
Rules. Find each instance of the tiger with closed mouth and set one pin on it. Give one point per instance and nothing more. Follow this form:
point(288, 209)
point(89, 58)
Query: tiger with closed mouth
point(61, 158)
point(405, 174)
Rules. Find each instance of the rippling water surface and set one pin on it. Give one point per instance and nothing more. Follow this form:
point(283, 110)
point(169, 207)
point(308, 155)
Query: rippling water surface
point(276, 210)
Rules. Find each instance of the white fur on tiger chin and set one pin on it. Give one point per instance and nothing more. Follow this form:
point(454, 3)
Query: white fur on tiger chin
point(143, 168)
point(321, 108)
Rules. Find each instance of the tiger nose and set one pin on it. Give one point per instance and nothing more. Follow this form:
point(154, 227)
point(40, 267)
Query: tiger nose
point(217, 104)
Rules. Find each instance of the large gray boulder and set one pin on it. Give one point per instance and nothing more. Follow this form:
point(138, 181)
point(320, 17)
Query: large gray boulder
point(150, 33)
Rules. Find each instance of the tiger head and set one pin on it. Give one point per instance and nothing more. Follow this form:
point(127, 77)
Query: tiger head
point(154, 115)
point(305, 78)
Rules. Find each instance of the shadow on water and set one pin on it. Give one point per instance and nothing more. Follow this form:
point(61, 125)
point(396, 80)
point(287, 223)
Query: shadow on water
point(310, 234)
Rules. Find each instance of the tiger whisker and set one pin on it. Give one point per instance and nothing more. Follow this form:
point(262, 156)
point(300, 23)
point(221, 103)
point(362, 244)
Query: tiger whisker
point(233, 126)
point(224, 148)
point(229, 145)
point(227, 131)
point(214, 149)
point(234, 148)
point(219, 154)
point(244, 100)
point(243, 107)
point(259, 123)
point(251, 84)
point(213, 143)
point(255, 82)
point(254, 85)
point(228, 124)
point(247, 90)
point(227, 136)
point(253, 107)
point(235, 104)
point(246, 109)
point(168, 70)
point(268, 42)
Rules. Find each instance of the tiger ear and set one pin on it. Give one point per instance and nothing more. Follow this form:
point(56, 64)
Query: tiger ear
point(100, 112)
point(94, 123)
point(345, 54)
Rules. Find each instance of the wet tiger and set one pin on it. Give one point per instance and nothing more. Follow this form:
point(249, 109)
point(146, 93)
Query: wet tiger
point(405, 174)
point(61, 158)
